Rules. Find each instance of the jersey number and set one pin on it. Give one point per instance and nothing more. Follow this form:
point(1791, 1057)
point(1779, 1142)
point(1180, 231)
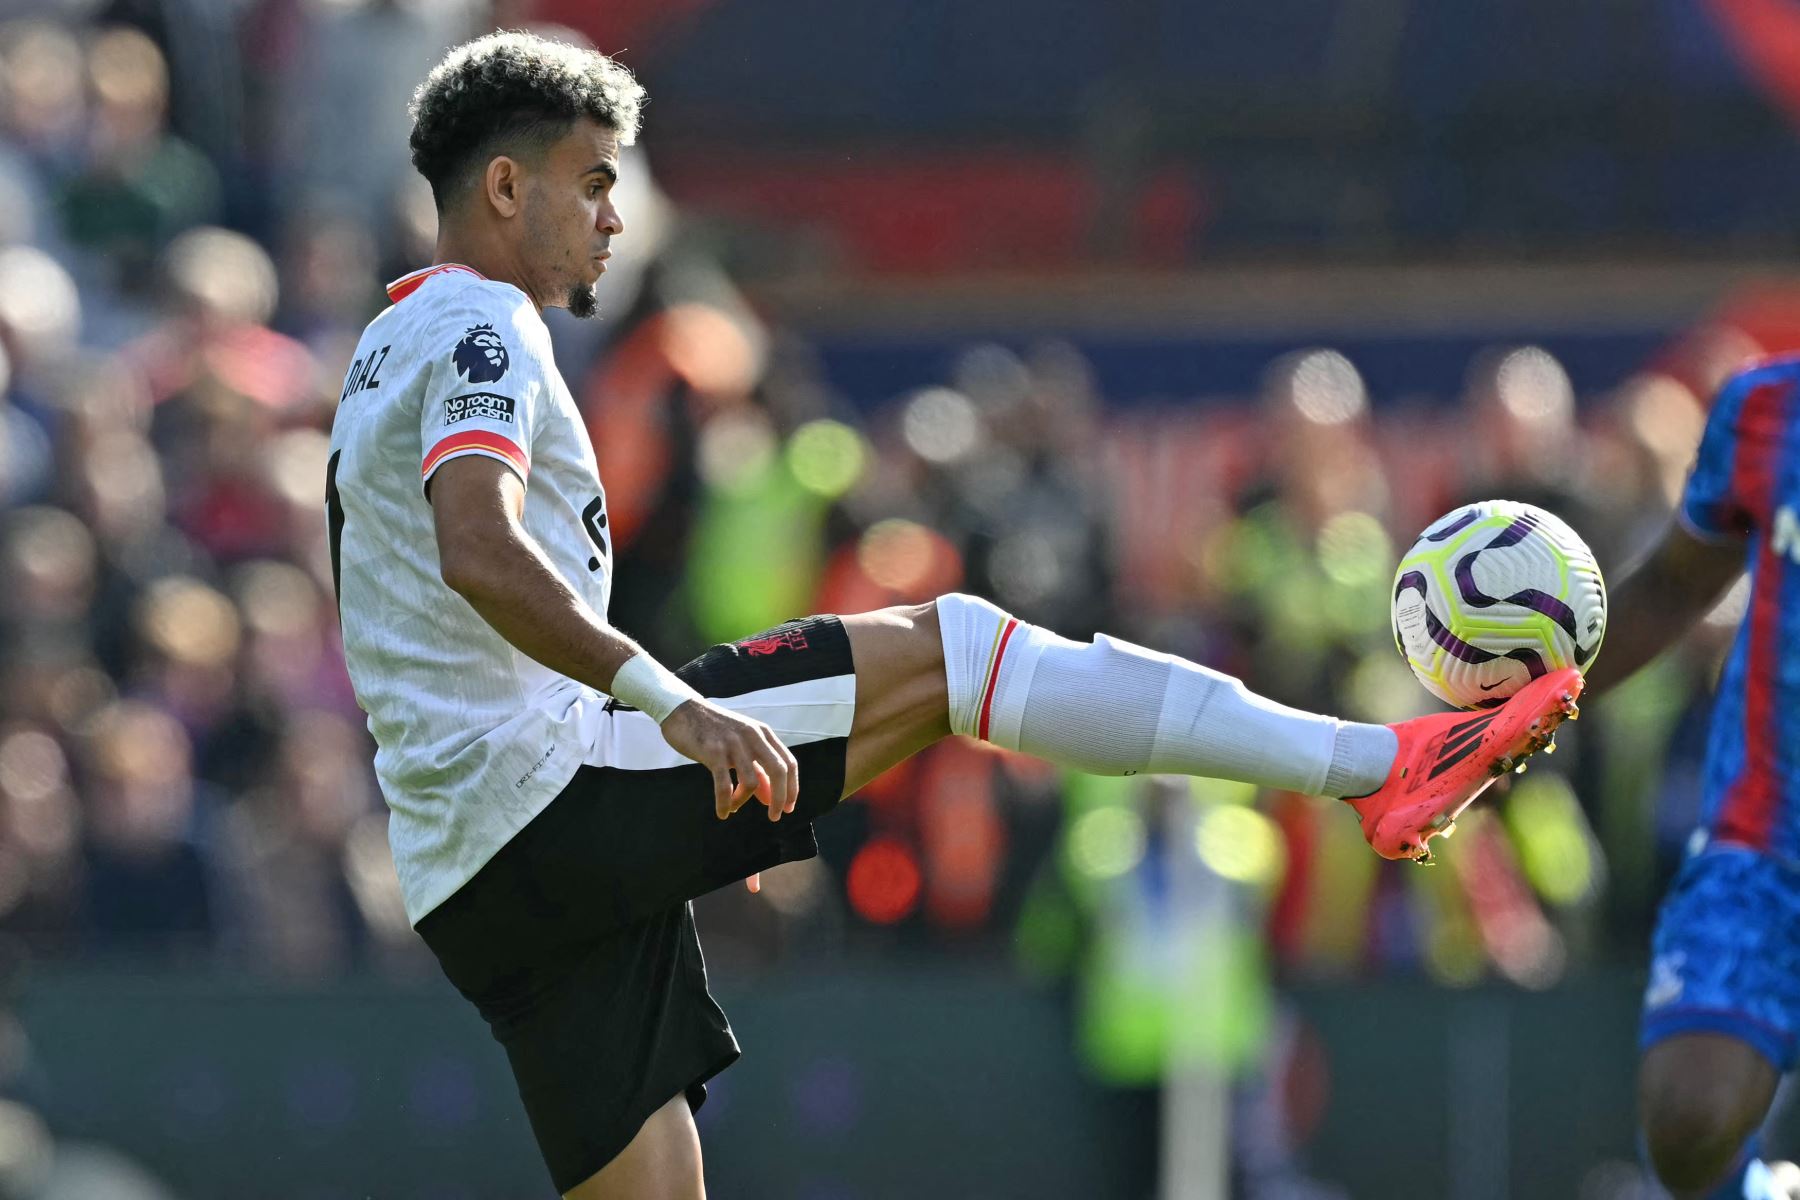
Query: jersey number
point(594, 521)
point(334, 524)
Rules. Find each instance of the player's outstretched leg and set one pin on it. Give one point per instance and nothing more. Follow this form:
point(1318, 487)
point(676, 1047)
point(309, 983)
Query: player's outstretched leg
point(1702, 1097)
point(961, 665)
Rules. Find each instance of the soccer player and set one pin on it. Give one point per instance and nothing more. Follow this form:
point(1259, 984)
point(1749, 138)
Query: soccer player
point(557, 795)
point(1722, 1009)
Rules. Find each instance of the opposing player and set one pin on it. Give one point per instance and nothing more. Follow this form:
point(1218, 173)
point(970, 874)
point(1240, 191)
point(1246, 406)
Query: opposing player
point(1722, 1010)
point(548, 838)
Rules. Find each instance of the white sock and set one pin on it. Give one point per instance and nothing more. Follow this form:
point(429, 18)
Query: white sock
point(1112, 708)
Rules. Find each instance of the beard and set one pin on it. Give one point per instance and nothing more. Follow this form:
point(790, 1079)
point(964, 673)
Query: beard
point(583, 302)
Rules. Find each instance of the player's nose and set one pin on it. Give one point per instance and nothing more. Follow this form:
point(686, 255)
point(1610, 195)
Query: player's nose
point(609, 221)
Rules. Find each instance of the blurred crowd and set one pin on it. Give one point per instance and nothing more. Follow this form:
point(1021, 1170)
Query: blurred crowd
point(183, 770)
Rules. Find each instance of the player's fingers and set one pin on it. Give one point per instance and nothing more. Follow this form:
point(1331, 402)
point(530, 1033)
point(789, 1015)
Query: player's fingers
point(742, 788)
point(721, 792)
point(783, 774)
point(754, 883)
point(793, 789)
point(765, 790)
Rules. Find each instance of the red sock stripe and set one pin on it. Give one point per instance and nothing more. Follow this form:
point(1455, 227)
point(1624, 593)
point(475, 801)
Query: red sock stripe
point(987, 693)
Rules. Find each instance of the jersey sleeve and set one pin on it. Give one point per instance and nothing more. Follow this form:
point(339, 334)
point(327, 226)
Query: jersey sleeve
point(488, 384)
point(1728, 492)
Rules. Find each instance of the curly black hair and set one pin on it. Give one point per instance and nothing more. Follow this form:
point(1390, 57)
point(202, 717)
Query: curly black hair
point(513, 92)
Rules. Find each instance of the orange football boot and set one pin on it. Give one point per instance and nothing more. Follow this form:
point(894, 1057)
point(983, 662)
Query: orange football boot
point(1448, 759)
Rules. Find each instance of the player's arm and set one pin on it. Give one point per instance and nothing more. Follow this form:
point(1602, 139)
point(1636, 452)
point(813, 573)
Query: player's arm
point(489, 559)
point(1702, 551)
point(1660, 598)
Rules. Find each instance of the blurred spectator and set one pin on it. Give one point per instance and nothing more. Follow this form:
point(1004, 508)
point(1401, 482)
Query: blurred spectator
point(45, 99)
point(352, 65)
point(140, 184)
point(36, 1166)
point(51, 560)
point(1519, 411)
point(1031, 515)
point(285, 842)
point(187, 643)
point(1305, 567)
point(330, 283)
point(40, 841)
point(40, 320)
point(222, 383)
point(26, 462)
point(148, 886)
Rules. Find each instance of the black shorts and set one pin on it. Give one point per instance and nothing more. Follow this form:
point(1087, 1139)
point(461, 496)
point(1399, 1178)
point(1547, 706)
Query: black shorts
point(576, 941)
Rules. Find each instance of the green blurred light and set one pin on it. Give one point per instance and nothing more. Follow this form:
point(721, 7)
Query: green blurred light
point(1240, 844)
point(1453, 957)
point(1107, 842)
point(826, 457)
point(1547, 825)
point(1354, 550)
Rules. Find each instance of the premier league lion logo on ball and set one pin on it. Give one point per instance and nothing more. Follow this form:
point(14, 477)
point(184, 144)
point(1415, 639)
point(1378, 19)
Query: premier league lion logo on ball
point(481, 355)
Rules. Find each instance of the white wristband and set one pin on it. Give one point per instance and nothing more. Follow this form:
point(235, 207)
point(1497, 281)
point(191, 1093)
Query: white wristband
point(650, 687)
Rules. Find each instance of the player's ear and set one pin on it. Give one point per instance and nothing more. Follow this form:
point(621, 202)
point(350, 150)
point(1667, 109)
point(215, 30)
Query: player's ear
point(502, 182)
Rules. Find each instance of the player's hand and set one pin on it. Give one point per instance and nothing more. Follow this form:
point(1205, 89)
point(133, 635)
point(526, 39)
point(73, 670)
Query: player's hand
point(745, 757)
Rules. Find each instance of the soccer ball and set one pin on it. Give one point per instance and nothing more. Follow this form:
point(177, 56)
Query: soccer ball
point(1494, 595)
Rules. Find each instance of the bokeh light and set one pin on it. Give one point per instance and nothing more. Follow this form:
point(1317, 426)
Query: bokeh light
point(1354, 550)
point(884, 881)
point(826, 457)
point(1328, 389)
point(735, 449)
point(1105, 843)
point(1548, 828)
point(1534, 387)
point(1240, 844)
point(941, 425)
point(897, 554)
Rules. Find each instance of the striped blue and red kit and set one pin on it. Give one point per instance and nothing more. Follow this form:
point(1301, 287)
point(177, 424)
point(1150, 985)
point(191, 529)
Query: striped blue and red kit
point(1726, 953)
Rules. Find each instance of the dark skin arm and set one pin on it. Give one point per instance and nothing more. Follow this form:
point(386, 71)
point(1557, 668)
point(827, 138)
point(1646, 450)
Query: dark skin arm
point(1660, 597)
point(487, 557)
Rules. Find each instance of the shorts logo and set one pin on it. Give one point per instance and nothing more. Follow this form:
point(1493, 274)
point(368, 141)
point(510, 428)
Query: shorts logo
point(484, 406)
point(481, 356)
point(787, 639)
point(542, 759)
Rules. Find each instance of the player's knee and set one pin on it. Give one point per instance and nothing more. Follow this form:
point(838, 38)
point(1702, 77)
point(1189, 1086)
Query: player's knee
point(898, 650)
point(925, 620)
point(908, 632)
point(1694, 1129)
point(925, 641)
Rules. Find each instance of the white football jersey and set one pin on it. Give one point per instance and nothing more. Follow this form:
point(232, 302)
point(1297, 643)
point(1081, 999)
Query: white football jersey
point(474, 738)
